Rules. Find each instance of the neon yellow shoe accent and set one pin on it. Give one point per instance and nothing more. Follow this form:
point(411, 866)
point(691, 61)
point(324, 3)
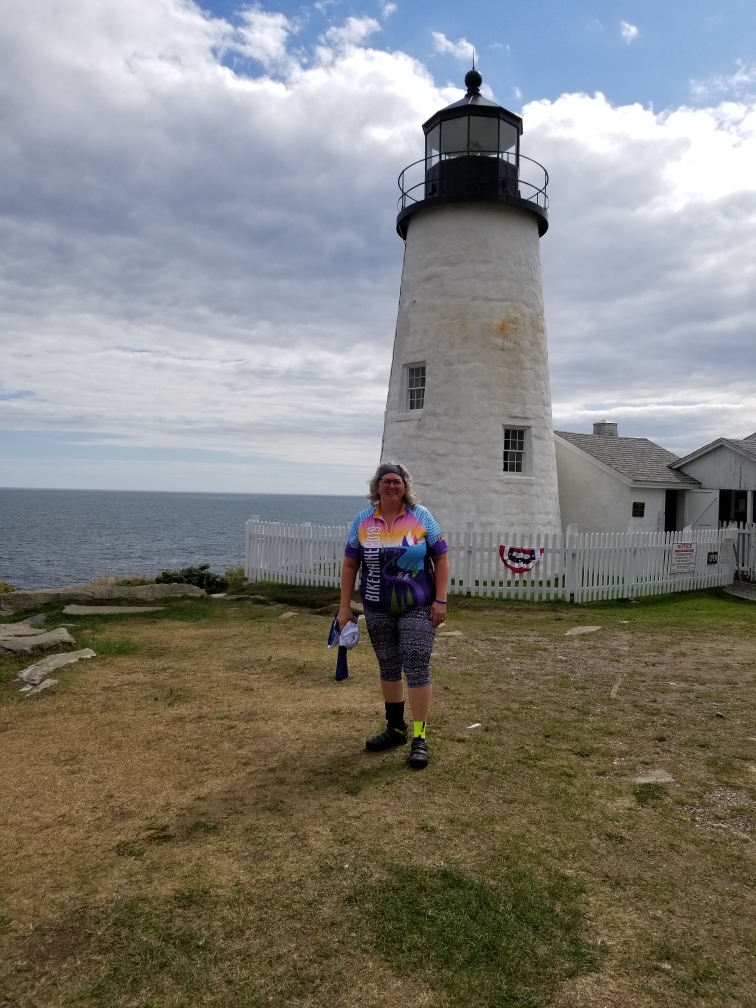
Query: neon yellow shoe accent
point(419, 729)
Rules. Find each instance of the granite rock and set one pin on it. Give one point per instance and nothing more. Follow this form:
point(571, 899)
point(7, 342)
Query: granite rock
point(51, 638)
point(102, 610)
point(654, 777)
point(18, 630)
point(34, 674)
point(97, 595)
point(31, 690)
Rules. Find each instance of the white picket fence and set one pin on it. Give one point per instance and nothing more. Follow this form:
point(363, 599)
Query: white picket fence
point(577, 568)
point(745, 551)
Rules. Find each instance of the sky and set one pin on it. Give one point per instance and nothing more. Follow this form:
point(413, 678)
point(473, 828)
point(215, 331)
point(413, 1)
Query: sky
point(199, 268)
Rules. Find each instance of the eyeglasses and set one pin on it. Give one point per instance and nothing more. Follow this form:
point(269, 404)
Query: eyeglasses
point(390, 483)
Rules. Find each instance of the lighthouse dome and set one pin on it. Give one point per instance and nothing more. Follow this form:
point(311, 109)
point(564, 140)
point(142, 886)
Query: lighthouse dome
point(472, 153)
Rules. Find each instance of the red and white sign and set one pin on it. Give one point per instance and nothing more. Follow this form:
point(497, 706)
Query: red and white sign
point(683, 558)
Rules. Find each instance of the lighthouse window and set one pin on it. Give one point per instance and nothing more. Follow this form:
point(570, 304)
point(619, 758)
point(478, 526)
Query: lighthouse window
point(432, 145)
point(415, 386)
point(454, 136)
point(507, 137)
point(514, 449)
point(484, 135)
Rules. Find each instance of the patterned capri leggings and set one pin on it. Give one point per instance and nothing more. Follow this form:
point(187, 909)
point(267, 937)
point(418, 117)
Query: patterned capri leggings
point(402, 642)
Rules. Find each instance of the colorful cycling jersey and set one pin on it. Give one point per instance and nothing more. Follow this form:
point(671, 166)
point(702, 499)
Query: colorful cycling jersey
point(397, 574)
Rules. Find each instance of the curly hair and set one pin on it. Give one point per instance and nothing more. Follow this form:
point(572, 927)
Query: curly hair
point(410, 497)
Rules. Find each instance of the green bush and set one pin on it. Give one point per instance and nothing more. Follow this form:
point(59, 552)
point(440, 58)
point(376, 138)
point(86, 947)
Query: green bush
point(200, 576)
point(236, 580)
point(5, 587)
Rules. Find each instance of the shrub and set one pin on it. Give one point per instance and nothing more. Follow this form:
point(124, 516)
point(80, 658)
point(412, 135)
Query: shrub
point(236, 580)
point(200, 576)
point(5, 587)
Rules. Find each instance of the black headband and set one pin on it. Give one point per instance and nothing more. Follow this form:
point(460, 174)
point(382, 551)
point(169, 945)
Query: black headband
point(385, 470)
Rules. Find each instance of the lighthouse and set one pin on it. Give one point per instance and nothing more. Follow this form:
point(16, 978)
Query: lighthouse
point(469, 401)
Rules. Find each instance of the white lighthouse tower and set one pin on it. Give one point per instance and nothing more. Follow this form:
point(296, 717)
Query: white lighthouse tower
point(469, 402)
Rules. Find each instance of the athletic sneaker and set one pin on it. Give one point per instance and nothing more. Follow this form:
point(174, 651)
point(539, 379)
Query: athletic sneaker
point(418, 757)
point(387, 738)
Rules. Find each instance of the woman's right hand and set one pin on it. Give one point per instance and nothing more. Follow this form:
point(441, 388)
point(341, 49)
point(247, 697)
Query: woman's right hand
point(344, 616)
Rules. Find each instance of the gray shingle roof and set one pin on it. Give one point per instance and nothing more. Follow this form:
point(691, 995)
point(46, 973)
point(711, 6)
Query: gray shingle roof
point(637, 459)
point(747, 445)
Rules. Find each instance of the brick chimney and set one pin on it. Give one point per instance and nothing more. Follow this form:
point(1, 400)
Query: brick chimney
point(605, 428)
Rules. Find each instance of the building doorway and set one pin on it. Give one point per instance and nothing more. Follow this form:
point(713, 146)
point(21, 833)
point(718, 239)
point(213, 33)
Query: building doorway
point(670, 511)
point(733, 505)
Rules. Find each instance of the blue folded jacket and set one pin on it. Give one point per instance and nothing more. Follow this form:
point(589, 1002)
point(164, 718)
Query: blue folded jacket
point(342, 667)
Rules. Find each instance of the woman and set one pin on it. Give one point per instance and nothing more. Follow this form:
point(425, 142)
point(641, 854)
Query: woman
point(405, 574)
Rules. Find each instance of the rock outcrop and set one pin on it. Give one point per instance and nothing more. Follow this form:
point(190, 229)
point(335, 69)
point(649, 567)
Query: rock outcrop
point(17, 601)
point(19, 645)
point(109, 610)
point(35, 674)
point(23, 629)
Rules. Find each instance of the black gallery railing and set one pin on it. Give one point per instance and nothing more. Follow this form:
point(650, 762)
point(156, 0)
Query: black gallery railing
point(483, 175)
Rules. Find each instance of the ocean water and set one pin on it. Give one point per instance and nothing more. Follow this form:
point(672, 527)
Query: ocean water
point(52, 538)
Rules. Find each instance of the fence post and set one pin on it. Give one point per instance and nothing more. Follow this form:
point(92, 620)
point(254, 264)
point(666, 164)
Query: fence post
point(570, 565)
point(250, 542)
point(469, 559)
point(730, 537)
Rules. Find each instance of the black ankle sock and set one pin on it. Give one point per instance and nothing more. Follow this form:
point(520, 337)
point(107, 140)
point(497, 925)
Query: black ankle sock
point(395, 715)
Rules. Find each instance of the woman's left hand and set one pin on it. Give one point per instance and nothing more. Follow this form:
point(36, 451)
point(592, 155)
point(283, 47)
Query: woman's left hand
point(437, 614)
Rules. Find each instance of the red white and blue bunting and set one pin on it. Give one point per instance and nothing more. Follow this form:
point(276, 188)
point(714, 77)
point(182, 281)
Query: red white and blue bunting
point(520, 559)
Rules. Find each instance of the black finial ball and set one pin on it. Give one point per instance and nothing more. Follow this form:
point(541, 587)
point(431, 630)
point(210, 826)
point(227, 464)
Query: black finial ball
point(473, 80)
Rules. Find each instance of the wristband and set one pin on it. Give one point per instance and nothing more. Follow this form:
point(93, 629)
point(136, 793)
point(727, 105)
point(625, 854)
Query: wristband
point(440, 601)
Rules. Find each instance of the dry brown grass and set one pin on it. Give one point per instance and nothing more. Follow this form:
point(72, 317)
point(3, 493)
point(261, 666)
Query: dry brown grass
point(207, 798)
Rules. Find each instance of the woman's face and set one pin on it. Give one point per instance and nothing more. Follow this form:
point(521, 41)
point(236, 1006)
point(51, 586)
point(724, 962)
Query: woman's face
point(391, 488)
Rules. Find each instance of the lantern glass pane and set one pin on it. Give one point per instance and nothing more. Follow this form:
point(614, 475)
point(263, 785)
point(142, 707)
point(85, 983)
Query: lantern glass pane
point(454, 137)
point(484, 135)
point(432, 141)
point(507, 137)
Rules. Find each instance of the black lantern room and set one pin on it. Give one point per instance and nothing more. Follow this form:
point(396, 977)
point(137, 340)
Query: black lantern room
point(472, 154)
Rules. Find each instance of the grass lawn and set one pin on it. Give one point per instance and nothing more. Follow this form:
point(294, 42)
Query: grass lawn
point(191, 818)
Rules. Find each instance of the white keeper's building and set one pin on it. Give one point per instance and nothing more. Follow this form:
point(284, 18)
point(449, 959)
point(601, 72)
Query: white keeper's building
point(609, 483)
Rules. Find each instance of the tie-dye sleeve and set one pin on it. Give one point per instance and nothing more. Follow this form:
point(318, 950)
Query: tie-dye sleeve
point(434, 537)
point(353, 539)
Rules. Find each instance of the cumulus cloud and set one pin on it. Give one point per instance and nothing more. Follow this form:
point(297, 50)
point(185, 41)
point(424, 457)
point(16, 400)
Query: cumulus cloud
point(263, 36)
point(197, 260)
point(461, 49)
point(353, 32)
point(740, 84)
point(189, 256)
point(388, 9)
point(648, 278)
point(629, 32)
